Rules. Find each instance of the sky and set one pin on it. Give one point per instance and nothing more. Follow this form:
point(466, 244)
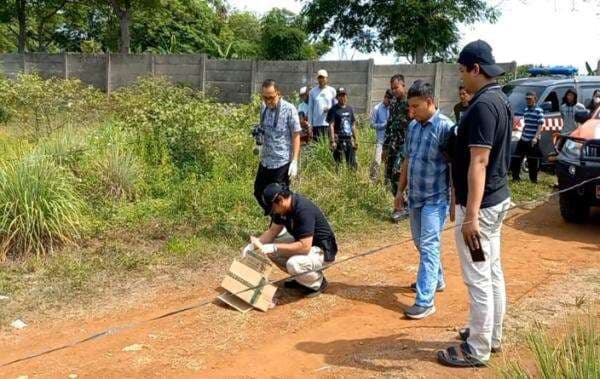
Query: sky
point(548, 32)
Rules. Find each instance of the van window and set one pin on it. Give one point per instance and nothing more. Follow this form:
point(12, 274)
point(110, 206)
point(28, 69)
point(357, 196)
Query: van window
point(586, 94)
point(555, 97)
point(516, 96)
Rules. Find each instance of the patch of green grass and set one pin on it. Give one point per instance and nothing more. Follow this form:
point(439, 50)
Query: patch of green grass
point(524, 190)
point(574, 354)
point(39, 207)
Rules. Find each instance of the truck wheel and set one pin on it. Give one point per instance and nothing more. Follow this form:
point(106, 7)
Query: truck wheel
point(571, 209)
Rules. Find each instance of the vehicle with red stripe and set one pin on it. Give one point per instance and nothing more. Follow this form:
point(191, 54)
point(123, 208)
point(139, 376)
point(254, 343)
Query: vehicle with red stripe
point(578, 162)
point(550, 91)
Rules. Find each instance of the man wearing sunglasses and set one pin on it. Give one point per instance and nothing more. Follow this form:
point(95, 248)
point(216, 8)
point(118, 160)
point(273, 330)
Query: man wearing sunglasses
point(281, 141)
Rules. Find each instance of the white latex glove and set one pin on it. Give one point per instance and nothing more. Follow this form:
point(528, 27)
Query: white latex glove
point(269, 248)
point(293, 170)
point(247, 249)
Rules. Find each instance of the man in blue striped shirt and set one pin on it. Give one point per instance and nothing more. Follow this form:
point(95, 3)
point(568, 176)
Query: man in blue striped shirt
point(533, 117)
point(427, 173)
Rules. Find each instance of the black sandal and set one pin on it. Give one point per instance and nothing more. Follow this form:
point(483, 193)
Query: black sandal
point(464, 333)
point(450, 357)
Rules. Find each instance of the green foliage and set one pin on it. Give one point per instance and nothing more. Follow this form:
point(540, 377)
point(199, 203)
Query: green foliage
point(40, 107)
point(284, 38)
point(120, 173)
point(573, 355)
point(410, 28)
point(39, 207)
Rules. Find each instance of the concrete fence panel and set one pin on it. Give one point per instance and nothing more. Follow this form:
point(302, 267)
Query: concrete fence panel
point(236, 80)
point(90, 69)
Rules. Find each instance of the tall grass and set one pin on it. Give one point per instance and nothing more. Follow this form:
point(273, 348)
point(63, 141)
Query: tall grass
point(573, 355)
point(39, 207)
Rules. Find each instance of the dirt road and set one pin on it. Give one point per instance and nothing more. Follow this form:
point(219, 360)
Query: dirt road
point(355, 330)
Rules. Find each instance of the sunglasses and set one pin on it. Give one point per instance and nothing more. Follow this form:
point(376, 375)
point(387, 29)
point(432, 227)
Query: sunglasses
point(269, 98)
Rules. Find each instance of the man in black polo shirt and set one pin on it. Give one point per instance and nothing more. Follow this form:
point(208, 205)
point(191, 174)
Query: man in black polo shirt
point(480, 169)
point(313, 239)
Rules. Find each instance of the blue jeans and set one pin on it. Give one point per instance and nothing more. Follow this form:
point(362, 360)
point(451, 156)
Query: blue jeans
point(426, 224)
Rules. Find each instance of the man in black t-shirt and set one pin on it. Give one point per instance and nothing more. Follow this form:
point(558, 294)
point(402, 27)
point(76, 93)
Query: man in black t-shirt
point(480, 178)
point(461, 107)
point(342, 130)
point(313, 239)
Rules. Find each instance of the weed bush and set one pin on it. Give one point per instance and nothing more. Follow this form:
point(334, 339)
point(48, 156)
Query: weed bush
point(38, 107)
point(575, 354)
point(39, 207)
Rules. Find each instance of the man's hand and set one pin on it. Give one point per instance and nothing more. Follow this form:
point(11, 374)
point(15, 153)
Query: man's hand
point(247, 249)
point(333, 145)
point(470, 232)
point(355, 144)
point(452, 209)
point(399, 200)
point(269, 248)
point(293, 170)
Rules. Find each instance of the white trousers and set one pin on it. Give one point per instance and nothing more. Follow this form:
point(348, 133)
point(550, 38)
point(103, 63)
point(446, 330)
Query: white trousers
point(309, 263)
point(484, 280)
point(378, 153)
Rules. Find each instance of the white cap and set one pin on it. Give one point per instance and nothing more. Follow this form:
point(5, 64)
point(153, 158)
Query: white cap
point(322, 73)
point(303, 90)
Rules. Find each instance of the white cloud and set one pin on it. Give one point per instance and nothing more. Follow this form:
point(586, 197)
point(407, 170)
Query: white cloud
point(549, 32)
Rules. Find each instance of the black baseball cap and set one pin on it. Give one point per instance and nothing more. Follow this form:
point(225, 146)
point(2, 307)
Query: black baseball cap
point(480, 52)
point(342, 91)
point(270, 193)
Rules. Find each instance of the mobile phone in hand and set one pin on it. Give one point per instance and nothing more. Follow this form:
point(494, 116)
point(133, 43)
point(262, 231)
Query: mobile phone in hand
point(477, 254)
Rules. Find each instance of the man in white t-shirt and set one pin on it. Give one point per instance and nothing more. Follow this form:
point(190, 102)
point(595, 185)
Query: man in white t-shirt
point(306, 134)
point(320, 100)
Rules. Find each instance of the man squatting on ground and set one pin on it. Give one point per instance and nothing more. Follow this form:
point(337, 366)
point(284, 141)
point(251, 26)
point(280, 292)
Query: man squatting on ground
point(342, 130)
point(320, 100)
point(281, 141)
point(395, 134)
point(313, 240)
point(480, 181)
point(426, 170)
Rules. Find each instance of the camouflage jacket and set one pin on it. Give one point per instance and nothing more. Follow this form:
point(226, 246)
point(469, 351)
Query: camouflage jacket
point(395, 130)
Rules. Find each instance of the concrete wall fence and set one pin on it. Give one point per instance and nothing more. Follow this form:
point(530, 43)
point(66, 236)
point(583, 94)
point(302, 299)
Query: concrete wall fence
point(236, 80)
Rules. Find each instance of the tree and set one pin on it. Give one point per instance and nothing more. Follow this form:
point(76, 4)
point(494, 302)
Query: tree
point(123, 9)
point(284, 37)
point(179, 26)
point(414, 29)
point(13, 17)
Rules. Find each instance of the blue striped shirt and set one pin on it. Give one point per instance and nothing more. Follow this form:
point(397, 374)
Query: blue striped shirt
point(428, 172)
point(533, 119)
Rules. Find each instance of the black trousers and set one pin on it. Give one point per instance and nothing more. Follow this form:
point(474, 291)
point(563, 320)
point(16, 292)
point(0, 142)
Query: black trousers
point(266, 176)
point(320, 132)
point(533, 154)
point(344, 148)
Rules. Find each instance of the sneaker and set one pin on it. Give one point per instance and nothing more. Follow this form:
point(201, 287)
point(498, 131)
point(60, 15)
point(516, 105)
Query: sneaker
point(314, 293)
point(440, 288)
point(399, 215)
point(417, 312)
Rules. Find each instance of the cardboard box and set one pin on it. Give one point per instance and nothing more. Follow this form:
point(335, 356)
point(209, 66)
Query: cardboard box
point(247, 283)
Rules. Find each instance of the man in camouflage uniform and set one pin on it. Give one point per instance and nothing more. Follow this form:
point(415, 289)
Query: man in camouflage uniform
point(395, 135)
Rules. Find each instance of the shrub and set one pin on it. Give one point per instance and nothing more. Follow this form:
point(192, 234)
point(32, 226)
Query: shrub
point(573, 355)
point(40, 106)
point(120, 173)
point(39, 207)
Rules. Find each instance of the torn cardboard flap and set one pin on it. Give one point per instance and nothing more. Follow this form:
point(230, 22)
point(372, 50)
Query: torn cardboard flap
point(247, 282)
